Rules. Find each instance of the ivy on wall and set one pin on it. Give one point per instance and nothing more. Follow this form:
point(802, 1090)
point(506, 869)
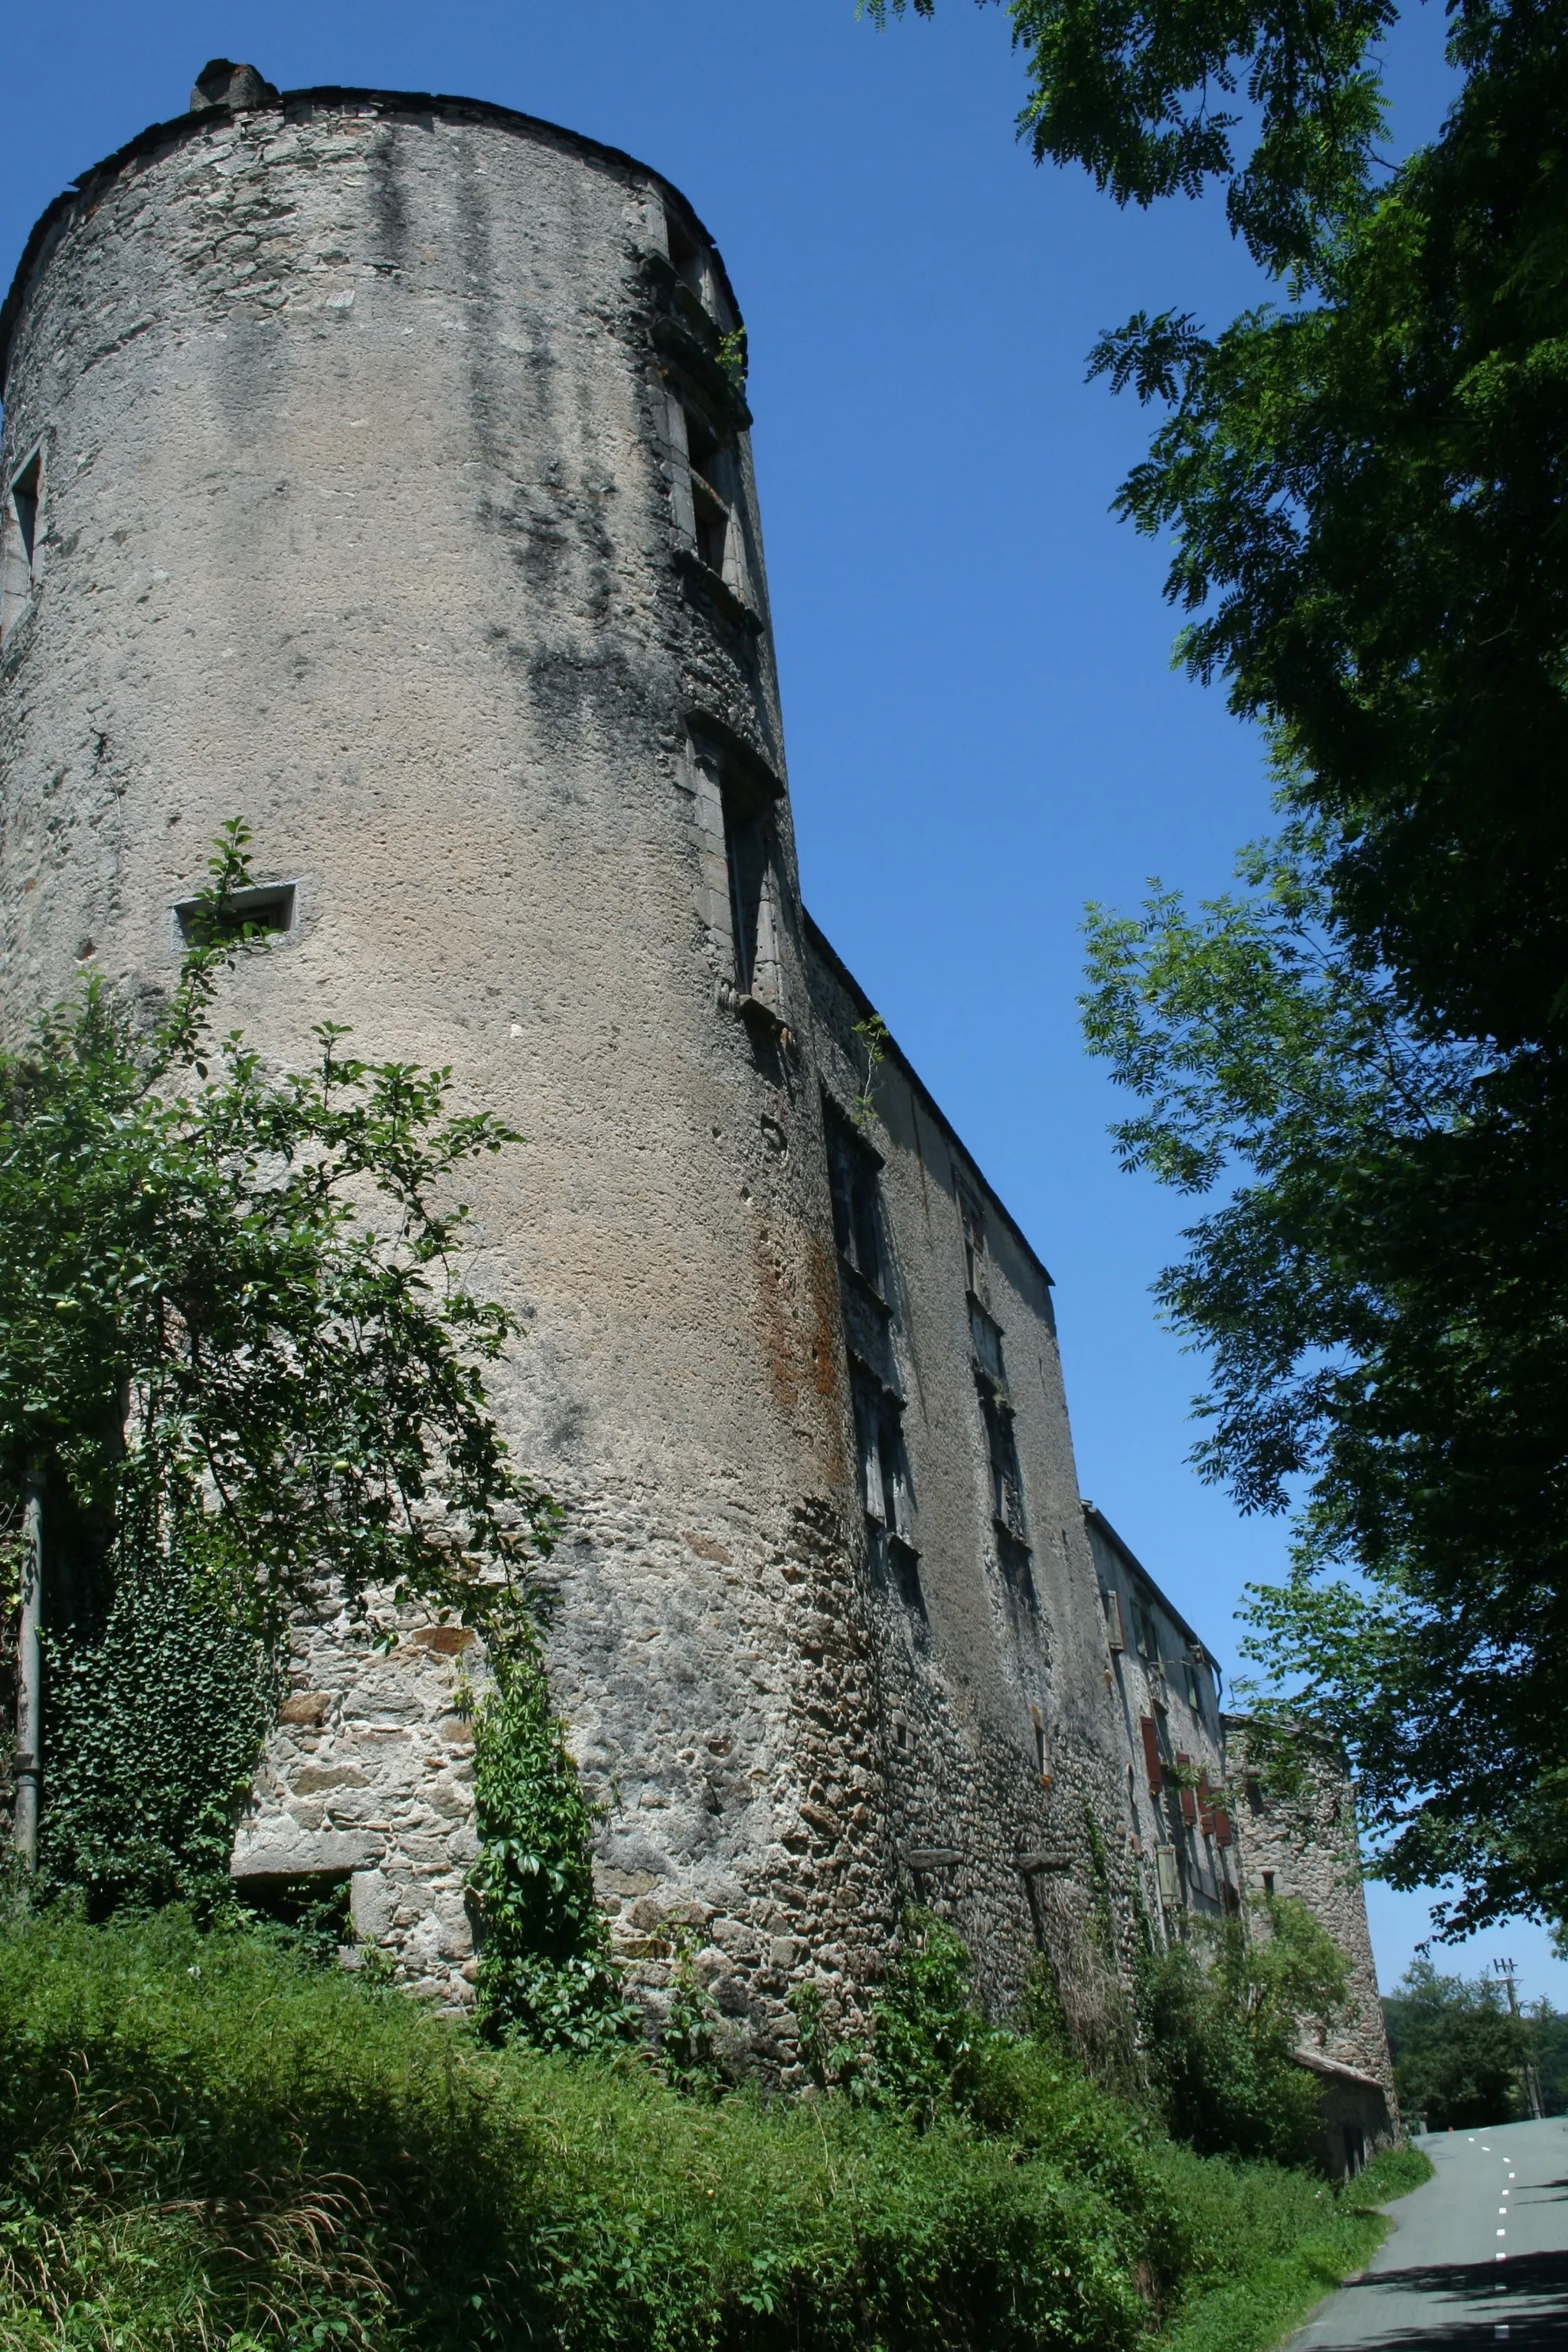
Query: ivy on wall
point(545, 1972)
point(155, 1725)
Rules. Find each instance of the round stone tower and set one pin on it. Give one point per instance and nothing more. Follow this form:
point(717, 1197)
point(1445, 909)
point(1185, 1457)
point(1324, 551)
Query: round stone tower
point(376, 469)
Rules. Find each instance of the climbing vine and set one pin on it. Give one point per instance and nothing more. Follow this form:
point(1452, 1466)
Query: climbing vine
point(156, 1722)
point(545, 1972)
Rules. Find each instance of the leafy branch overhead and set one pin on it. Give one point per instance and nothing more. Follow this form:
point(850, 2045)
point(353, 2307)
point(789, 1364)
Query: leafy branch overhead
point(1278, 101)
point(1362, 1056)
point(232, 1336)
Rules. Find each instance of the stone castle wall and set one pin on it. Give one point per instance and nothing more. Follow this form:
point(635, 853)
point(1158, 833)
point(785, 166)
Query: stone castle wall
point(394, 492)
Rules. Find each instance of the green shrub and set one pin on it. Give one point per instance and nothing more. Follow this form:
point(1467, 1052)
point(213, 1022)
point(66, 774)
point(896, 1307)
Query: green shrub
point(1220, 2026)
point(545, 1972)
point(203, 2141)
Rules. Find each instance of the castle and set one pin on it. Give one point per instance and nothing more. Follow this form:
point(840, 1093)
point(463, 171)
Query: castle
point(377, 466)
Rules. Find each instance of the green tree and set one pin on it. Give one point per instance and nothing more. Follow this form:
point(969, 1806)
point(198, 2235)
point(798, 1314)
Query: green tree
point(1366, 1051)
point(1457, 2050)
point(1221, 2026)
point(238, 1368)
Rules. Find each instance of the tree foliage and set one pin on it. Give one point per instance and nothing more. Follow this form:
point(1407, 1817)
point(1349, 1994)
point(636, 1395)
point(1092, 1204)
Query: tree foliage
point(1365, 1053)
point(236, 1356)
point(1221, 2026)
point(231, 1333)
point(1457, 2050)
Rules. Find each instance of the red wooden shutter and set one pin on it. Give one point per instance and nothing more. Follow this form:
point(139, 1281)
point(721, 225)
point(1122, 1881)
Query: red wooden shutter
point(1151, 1753)
point(1189, 1796)
point(1221, 1826)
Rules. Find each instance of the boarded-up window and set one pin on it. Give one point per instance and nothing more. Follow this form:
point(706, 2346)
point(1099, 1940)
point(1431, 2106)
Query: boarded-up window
point(1189, 1795)
point(1152, 1764)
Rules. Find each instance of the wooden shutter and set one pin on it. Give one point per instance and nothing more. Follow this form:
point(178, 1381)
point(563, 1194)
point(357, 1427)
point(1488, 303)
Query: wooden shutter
point(1189, 1796)
point(1151, 1753)
point(1113, 1632)
point(1221, 1826)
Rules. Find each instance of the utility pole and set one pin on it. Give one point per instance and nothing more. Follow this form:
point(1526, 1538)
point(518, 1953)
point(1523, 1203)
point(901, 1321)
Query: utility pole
point(1528, 2081)
point(30, 1677)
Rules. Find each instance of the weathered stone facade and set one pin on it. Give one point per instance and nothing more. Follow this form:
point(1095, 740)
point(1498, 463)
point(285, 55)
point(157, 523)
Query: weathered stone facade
point(377, 468)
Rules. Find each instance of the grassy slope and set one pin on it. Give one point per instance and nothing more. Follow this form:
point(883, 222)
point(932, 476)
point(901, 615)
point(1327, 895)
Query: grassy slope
point(202, 2143)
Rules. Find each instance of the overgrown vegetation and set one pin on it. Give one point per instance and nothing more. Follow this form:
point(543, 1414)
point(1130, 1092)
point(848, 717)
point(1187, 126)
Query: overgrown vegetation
point(545, 1972)
point(240, 1374)
point(203, 2141)
point(1219, 2030)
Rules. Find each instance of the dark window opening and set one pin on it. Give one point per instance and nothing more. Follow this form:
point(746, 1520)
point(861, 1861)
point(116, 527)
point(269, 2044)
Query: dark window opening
point(1148, 1637)
point(711, 522)
point(857, 1203)
point(985, 1335)
point(309, 1912)
point(973, 1222)
point(1195, 1685)
point(1254, 1797)
point(704, 451)
point(1042, 1765)
point(1006, 1477)
point(25, 500)
point(746, 854)
point(1269, 1884)
point(686, 257)
point(268, 907)
point(887, 1490)
point(1016, 1563)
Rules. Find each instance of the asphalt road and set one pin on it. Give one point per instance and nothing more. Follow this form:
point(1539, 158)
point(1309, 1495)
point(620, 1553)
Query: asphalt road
point(1477, 2257)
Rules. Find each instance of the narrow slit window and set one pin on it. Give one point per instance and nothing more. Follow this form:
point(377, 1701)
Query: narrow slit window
point(19, 542)
point(746, 856)
point(856, 1202)
point(25, 500)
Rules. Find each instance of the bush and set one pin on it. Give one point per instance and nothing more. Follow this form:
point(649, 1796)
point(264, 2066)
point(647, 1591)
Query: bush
point(1220, 2031)
point(203, 2141)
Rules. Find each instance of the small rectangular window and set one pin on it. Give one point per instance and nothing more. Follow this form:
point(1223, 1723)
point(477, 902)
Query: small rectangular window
point(985, 1335)
point(1269, 1886)
point(1042, 1762)
point(268, 906)
point(1194, 1689)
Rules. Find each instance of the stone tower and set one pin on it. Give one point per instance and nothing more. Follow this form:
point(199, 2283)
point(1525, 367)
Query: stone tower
point(376, 468)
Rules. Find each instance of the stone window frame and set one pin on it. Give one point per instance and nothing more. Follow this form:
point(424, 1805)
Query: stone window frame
point(23, 529)
point(734, 805)
point(886, 1485)
point(706, 491)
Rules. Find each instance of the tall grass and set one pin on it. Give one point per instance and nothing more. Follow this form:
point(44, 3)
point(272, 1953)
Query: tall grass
point(204, 2142)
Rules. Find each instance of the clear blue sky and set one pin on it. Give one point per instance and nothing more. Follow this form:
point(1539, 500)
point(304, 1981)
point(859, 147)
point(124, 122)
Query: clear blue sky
point(982, 725)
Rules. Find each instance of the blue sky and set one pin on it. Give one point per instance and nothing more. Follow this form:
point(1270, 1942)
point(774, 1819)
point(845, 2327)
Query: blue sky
point(984, 728)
